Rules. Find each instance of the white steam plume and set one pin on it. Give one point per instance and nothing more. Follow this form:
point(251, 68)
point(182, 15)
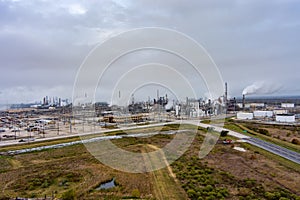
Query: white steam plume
point(261, 87)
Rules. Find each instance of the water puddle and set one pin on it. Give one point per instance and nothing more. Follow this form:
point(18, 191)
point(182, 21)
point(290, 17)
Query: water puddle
point(239, 149)
point(107, 185)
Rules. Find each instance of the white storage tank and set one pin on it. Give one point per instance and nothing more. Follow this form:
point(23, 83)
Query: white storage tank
point(177, 110)
point(279, 112)
point(240, 105)
point(257, 105)
point(263, 113)
point(285, 118)
point(247, 105)
point(287, 105)
point(244, 115)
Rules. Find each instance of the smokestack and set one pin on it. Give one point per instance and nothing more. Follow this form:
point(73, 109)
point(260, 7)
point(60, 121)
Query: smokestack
point(243, 102)
point(132, 99)
point(225, 97)
point(225, 92)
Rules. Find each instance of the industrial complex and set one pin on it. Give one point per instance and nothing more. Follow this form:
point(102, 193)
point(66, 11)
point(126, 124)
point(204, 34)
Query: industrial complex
point(54, 116)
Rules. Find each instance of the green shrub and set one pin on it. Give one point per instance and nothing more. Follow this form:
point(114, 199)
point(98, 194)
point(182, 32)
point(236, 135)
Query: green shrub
point(224, 133)
point(135, 193)
point(296, 141)
point(68, 195)
point(45, 184)
point(264, 132)
point(283, 198)
point(269, 196)
point(4, 198)
point(191, 193)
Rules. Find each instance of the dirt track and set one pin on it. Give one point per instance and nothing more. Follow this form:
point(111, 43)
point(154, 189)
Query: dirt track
point(165, 184)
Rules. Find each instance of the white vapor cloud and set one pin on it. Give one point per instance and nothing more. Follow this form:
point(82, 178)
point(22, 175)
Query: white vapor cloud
point(262, 87)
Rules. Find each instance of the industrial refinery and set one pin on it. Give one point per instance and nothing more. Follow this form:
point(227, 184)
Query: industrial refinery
point(54, 116)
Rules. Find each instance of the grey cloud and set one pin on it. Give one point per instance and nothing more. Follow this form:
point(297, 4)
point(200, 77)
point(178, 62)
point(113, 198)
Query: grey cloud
point(41, 41)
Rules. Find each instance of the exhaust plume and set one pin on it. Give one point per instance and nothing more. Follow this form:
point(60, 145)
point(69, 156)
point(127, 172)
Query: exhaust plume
point(261, 88)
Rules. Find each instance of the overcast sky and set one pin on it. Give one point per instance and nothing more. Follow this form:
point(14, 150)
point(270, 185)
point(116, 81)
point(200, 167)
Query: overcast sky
point(43, 42)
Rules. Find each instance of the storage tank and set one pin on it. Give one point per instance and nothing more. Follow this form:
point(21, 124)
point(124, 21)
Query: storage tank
point(286, 118)
point(177, 110)
point(244, 115)
point(257, 105)
point(287, 105)
point(278, 112)
point(262, 113)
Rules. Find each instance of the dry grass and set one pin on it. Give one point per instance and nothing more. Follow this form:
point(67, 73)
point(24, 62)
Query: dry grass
point(59, 170)
point(254, 165)
point(73, 168)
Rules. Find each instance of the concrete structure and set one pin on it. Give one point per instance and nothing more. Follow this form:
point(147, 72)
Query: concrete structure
point(240, 105)
point(244, 115)
point(262, 113)
point(280, 112)
point(286, 118)
point(252, 105)
point(257, 105)
point(287, 105)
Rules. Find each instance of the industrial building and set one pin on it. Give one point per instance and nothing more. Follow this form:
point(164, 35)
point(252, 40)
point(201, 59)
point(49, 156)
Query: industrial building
point(244, 115)
point(262, 113)
point(287, 105)
point(288, 118)
point(280, 112)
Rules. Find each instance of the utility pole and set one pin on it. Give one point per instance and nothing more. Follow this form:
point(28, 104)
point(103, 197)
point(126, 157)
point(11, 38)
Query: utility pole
point(15, 131)
point(70, 120)
point(57, 126)
point(83, 123)
point(226, 92)
point(43, 130)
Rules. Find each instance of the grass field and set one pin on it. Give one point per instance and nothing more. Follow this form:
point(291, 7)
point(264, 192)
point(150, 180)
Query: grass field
point(73, 173)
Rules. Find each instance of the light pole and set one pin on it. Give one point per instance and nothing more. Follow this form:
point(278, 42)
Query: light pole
point(70, 120)
point(57, 126)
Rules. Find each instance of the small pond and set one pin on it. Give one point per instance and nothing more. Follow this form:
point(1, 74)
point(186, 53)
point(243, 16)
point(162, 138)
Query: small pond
point(107, 185)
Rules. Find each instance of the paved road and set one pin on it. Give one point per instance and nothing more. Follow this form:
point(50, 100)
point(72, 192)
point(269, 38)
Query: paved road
point(216, 128)
point(278, 150)
point(273, 148)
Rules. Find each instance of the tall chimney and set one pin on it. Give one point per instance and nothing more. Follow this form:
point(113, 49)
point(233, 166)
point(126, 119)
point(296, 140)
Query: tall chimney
point(225, 98)
point(226, 92)
point(243, 102)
